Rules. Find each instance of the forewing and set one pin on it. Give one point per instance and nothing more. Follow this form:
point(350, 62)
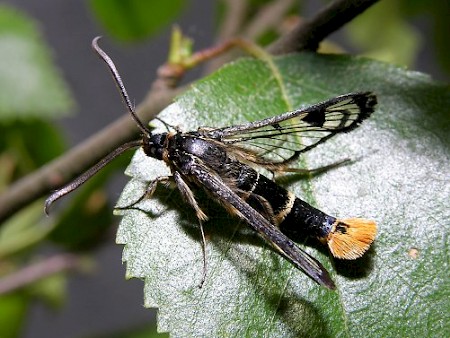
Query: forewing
point(282, 138)
point(235, 204)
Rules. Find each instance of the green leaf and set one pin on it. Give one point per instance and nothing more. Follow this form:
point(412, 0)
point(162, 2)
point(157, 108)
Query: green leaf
point(13, 309)
point(399, 177)
point(131, 20)
point(31, 85)
point(31, 143)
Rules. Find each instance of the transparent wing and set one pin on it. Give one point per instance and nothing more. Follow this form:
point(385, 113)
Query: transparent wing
point(282, 138)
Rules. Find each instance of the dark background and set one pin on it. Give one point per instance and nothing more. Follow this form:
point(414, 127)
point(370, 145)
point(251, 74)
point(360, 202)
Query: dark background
point(104, 302)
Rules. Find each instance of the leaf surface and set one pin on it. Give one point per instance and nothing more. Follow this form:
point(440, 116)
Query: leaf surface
point(399, 177)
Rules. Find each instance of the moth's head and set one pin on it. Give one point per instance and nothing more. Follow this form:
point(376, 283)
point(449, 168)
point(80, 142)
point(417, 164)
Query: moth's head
point(154, 144)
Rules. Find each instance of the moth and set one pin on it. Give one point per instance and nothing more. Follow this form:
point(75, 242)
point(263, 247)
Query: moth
point(223, 162)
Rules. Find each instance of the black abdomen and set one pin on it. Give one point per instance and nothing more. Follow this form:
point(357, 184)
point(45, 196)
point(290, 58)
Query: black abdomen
point(292, 215)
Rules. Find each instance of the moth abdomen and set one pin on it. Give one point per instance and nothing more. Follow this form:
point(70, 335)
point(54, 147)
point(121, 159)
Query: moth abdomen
point(346, 238)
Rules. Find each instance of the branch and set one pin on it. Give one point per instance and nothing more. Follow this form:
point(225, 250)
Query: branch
point(309, 33)
point(234, 18)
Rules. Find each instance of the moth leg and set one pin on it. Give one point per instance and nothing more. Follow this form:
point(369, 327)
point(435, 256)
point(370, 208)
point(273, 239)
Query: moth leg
point(149, 191)
point(260, 204)
point(313, 171)
point(188, 195)
point(202, 231)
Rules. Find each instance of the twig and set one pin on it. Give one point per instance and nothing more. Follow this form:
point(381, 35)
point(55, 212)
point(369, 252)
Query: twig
point(309, 33)
point(268, 17)
point(233, 20)
point(37, 271)
point(235, 13)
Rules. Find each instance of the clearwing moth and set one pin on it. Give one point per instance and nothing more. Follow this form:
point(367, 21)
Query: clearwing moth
point(222, 160)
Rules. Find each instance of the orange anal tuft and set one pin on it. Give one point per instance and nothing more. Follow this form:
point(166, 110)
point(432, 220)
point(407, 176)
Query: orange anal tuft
point(350, 238)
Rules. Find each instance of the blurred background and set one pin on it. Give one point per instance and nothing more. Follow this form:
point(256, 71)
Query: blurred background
point(56, 93)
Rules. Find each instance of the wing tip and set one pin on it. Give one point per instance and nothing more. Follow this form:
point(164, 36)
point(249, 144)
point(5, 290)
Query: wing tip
point(366, 102)
point(326, 281)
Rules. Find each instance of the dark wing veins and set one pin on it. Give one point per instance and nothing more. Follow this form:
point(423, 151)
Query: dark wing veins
point(277, 140)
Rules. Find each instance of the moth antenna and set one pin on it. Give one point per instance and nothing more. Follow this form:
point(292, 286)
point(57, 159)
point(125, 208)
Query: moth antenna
point(351, 237)
point(89, 173)
point(119, 83)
